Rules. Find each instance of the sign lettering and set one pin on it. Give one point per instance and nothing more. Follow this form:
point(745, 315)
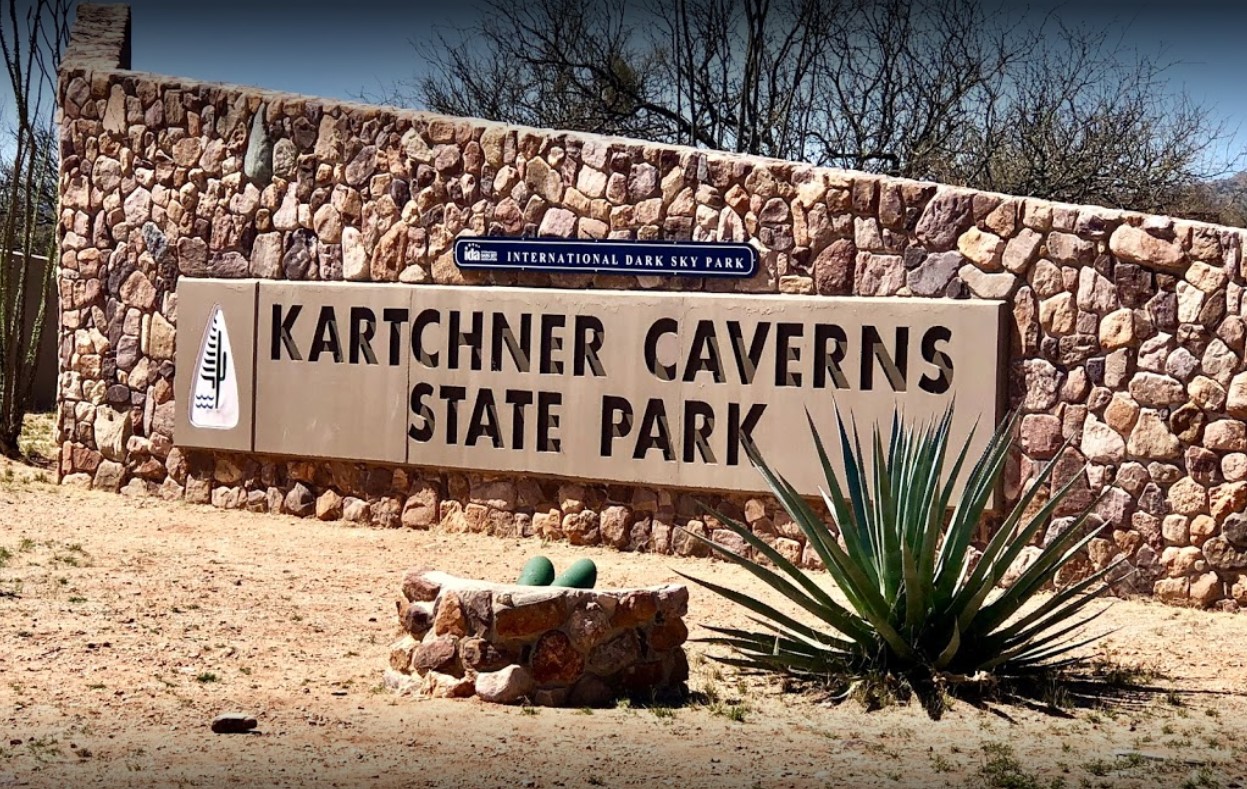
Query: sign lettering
point(652, 258)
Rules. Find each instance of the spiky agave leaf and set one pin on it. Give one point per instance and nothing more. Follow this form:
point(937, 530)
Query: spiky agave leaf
point(915, 603)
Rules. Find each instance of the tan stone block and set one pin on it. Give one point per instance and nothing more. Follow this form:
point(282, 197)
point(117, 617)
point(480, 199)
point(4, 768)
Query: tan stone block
point(1227, 499)
point(1223, 555)
point(1021, 251)
point(1236, 397)
point(1206, 393)
point(420, 511)
point(1188, 497)
point(1172, 590)
point(1134, 245)
point(1101, 443)
point(591, 228)
point(1226, 435)
point(1201, 528)
point(796, 284)
point(879, 275)
point(649, 212)
point(449, 619)
point(389, 255)
point(508, 685)
point(329, 506)
point(635, 609)
point(1175, 529)
point(1207, 278)
point(615, 524)
point(1058, 314)
point(1234, 467)
point(1151, 438)
point(1121, 413)
point(983, 249)
point(1157, 391)
point(401, 652)
point(1002, 220)
point(789, 549)
point(669, 635)
point(1182, 562)
point(1117, 329)
point(1238, 590)
point(988, 286)
point(435, 654)
point(1206, 589)
point(591, 182)
point(161, 337)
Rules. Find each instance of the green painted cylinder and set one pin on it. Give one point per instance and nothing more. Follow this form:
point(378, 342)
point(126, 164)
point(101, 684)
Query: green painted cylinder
point(582, 574)
point(538, 571)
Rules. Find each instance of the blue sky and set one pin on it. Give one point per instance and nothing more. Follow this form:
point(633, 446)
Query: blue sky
point(1204, 40)
point(341, 49)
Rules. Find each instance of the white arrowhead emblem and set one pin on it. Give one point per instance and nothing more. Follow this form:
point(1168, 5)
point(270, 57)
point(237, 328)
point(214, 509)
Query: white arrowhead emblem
point(214, 395)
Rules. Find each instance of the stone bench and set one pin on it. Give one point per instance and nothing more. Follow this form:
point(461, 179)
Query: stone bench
point(550, 646)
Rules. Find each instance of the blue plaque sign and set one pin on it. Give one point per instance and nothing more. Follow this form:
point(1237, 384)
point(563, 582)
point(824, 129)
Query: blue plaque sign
point(577, 256)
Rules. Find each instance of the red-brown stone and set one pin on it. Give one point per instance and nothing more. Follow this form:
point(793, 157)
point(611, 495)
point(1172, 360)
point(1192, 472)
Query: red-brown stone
point(415, 619)
point(416, 587)
point(480, 655)
point(588, 625)
point(436, 655)
point(449, 620)
point(616, 654)
point(678, 671)
point(834, 267)
point(673, 601)
point(636, 608)
point(551, 697)
point(478, 606)
point(529, 620)
point(555, 660)
point(640, 677)
point(668, 635)
point(590, 691)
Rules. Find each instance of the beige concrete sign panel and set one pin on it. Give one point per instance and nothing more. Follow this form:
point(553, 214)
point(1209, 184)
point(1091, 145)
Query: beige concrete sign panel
point(660, 388)
point(215, 363)
point(331, 370)
point(532, 400)
point(756, 365)
point(645, 388)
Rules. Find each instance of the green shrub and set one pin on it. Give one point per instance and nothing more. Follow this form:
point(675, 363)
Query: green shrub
point(918, 608)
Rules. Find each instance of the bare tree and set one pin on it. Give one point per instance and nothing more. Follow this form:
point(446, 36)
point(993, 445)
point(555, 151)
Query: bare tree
point(31, 40)
point(715, 73)
point(948, 90)
point(1083, 120)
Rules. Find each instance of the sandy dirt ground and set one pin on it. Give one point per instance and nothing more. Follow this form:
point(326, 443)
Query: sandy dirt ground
point(128, 625)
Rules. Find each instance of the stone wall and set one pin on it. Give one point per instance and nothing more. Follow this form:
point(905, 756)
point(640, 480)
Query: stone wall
point(1127, 337)
point(548, 645)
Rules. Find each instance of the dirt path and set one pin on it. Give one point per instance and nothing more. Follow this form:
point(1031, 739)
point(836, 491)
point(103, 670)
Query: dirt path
point(127, 625)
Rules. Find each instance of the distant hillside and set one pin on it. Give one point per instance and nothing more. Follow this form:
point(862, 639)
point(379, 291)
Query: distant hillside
point(1235, 185)
point(1223, 201)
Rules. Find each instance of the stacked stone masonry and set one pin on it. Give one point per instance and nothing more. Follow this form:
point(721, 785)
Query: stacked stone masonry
point(544, 645)
point(1127, 335)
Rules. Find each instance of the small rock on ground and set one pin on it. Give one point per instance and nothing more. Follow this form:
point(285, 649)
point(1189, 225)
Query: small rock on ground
point(233, 723)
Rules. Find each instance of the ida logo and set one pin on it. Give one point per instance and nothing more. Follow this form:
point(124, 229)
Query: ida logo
point(214, 394)
point(473, 253)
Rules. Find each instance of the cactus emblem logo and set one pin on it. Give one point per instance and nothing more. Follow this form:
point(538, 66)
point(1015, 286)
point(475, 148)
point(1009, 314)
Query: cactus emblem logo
point(214, 394)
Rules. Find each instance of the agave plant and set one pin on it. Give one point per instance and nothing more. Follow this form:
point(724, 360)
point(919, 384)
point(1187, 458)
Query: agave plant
point(917, 607)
